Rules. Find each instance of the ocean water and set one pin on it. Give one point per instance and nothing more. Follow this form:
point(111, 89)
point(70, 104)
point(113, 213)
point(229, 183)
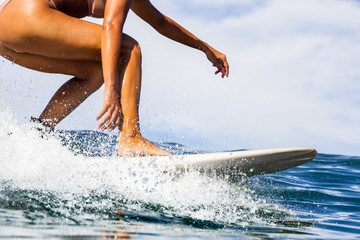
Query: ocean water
point(73, 186)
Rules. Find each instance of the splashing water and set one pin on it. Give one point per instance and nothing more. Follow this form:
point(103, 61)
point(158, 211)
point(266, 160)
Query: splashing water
point(75, 183)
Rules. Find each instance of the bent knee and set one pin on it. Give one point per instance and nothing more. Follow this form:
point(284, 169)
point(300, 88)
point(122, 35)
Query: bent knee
point(130, 45)
point(136, 49)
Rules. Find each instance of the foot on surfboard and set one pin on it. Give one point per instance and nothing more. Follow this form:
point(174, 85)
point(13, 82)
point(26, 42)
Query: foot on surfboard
point(138, 146)
point(44, 129)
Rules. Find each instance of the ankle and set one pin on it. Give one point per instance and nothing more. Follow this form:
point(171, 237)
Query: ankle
point(41, 126)
point(129, 134)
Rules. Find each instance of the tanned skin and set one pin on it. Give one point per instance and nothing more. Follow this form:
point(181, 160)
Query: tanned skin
point(38, 37)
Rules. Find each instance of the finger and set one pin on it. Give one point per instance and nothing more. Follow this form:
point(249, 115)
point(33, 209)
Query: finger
point(226, 65)
point(105, 120)
point(119, 121)
point(116, 124)
point(101, 126)
point(112, 127)
point(113, 118)
point(223, 73)
point(102, 112)
point(219, 68)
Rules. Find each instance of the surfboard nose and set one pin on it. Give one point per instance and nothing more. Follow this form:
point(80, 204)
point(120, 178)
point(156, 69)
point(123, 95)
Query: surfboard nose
point(257, 162)
point(285, 159)
point(314, 152)
point(304, 155)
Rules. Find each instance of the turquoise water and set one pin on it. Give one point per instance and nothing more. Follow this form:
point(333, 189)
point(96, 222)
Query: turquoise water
point(73, 186)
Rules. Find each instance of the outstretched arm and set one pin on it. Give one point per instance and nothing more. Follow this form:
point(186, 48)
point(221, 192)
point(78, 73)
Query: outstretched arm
point(169, 28)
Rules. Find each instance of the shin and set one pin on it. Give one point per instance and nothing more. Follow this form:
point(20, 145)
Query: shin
point(131, 141)
point(67, 98)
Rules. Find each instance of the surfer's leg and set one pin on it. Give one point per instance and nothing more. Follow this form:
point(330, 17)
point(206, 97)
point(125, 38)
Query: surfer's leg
point(33, 26)
point(68, 98)
point(88, 78)
point(36, 36)
point(131, 141)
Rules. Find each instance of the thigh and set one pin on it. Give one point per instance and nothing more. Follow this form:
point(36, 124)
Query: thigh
point(33, 26)
point(83, 69)
point(36, 36)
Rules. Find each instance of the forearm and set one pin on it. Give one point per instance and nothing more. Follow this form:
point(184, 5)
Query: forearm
point(110, 54)
point(174, 31)
point(111, 40)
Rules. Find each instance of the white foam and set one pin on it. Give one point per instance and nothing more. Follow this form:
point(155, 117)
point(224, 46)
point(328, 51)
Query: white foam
point(33, 163)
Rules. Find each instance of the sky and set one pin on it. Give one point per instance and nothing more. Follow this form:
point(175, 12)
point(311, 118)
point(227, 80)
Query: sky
point(294, 77)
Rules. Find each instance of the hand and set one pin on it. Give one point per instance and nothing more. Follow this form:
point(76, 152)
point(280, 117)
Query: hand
point(112, 108)
point(219, 61)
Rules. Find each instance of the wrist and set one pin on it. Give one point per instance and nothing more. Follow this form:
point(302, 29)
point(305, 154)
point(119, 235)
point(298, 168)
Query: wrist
point(111, 83)
point(111, 88)
point(111, 93)
point(203, 47)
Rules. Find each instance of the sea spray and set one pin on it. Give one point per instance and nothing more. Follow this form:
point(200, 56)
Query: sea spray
point(47, 177)
point(72, 185)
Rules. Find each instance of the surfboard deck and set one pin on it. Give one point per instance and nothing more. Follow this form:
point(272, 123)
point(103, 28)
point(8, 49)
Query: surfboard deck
point(236, 164)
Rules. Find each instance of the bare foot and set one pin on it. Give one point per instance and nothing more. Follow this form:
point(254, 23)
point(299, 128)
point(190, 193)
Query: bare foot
point(138, 146)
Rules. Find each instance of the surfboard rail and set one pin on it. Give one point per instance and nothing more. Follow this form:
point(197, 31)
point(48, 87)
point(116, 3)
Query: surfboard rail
point(233, 164)
point(248, 162)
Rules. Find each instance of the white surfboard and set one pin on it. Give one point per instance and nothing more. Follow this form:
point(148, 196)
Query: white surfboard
point(236, 163)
